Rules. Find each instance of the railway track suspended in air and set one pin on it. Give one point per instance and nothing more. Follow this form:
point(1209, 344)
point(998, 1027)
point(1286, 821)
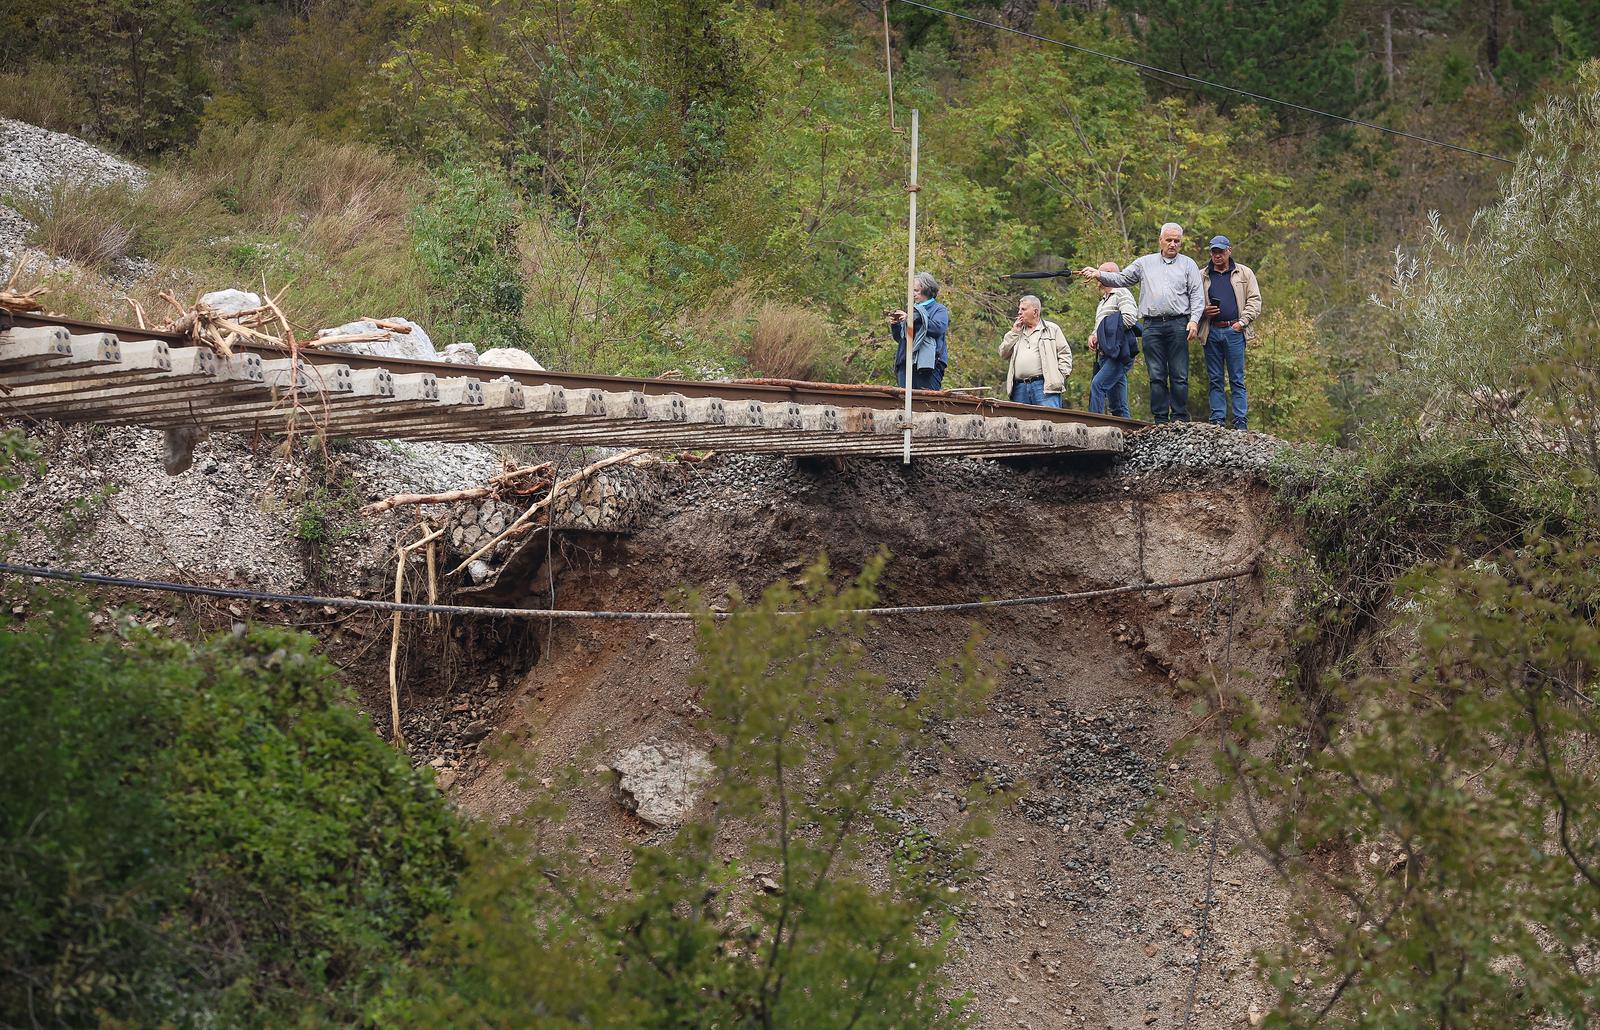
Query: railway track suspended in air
point(73, 371)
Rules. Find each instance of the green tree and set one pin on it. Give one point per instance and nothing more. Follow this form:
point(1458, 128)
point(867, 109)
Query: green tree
point(1288, 49)
point(200, 833)
point(1441, 848)
point(806, 770)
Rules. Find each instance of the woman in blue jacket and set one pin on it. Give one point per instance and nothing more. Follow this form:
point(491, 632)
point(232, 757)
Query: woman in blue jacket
point(930, 351)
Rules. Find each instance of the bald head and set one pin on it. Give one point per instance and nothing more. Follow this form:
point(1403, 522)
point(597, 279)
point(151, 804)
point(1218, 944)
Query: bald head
point(1110, 266)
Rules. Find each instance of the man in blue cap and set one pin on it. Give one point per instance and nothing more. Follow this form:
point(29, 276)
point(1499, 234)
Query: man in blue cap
point(1233, 303)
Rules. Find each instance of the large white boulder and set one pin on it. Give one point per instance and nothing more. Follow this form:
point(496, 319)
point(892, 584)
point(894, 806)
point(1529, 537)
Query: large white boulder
point(412, 343)
point(661, 780)
point(231, 302)
point(510, 357)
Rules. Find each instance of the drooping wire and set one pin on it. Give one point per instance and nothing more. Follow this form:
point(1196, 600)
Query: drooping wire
point(1151, 69)
point(89, 579)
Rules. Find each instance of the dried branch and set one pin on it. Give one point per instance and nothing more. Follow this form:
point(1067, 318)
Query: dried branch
point(517, 527)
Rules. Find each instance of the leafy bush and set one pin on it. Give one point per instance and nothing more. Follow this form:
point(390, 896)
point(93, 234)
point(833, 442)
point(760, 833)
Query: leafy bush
point(1441, 849)
point(465, 235)
point(200, 833)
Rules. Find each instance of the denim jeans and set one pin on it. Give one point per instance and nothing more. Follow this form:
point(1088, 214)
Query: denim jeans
point(1166, 355)
point(1225, 351)
point(1110, 386)
point(1033, 393)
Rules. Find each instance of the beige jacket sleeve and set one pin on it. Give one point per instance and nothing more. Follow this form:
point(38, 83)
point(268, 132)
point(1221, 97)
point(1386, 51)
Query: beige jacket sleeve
point(1009, 343)
point(1252, 298)
point(1063, 351)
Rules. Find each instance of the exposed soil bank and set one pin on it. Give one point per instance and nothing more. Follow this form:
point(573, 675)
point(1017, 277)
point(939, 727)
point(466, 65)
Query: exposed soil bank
point(1081, 917)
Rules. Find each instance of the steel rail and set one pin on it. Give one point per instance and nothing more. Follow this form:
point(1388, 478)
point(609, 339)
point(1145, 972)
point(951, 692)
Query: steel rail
point(835, 394)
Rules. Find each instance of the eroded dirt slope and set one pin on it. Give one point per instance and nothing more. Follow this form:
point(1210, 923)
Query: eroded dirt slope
point(1080, 917)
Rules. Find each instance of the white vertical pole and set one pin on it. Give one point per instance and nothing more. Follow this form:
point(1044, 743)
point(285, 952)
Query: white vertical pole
point(911, 286)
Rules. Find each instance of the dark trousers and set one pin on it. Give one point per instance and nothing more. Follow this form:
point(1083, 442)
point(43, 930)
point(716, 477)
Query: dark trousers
point(1166, 356)
point(1109, 387)
point(922, 378)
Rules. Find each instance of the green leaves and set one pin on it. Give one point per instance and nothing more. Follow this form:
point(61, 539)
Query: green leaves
point(199, 833)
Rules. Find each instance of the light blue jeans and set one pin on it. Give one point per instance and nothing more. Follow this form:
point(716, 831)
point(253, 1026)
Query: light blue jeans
point(1032, 392)
point(1109, 388)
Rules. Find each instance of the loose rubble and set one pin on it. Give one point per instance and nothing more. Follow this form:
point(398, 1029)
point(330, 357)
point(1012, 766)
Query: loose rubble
point(1198, 447)
point(32, 158)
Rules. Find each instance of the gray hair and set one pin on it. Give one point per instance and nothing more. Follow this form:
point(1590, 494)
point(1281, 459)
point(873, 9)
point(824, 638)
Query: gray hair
point(1036, 302)
point(1171, 225)
point(927, 284)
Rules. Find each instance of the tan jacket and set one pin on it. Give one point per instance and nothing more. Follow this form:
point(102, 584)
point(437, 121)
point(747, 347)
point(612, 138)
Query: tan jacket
point(1245, 291)
point(1054, 354)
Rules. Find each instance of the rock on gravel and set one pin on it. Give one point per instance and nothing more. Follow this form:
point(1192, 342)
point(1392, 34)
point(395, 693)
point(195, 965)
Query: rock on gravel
point(661, 780)
point(1199, 447)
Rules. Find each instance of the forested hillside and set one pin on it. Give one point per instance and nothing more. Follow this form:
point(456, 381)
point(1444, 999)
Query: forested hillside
point(715, 187)
point(1242, 733)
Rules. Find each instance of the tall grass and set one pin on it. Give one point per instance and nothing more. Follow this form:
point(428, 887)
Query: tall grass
point(253, 207)
point(43, 95)
point(87, 222)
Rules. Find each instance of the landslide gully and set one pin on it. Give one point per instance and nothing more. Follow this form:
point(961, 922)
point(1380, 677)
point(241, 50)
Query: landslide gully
point(1082, 915)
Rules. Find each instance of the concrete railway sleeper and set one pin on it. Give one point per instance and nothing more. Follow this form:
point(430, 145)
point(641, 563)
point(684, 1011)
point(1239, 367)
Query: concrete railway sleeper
point(71, 371)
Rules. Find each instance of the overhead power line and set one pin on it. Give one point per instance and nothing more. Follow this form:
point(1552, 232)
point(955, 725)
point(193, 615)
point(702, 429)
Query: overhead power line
point(1153, 70)
point(236, 593)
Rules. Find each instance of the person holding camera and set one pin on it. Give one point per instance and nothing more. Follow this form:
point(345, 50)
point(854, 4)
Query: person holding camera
point(1040, 358)
point(930, 352)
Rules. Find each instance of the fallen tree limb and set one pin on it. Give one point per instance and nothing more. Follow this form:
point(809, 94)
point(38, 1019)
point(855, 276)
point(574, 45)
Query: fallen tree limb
point(544, 502)
point(402, 552)
point(526, 480)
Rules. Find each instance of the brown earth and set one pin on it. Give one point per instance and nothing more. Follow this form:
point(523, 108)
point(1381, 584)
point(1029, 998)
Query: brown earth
point(1082, 914)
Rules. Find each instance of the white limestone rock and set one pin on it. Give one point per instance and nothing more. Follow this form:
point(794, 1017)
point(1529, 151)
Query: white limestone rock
point(661, 780)
point(413, 343)
point(231, 302)
point(509, 357)
point(461, 353)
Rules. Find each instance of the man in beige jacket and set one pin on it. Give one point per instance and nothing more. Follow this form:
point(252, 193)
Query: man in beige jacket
point(1233, 303)
point(1040, 359)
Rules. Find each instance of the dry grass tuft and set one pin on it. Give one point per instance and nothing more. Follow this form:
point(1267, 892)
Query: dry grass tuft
point(43, 95)
point(86, 222)
point(787, 341)
point(338, 193)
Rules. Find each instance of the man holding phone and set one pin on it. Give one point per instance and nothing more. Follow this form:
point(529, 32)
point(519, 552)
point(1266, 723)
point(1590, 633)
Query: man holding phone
point(1233, 303)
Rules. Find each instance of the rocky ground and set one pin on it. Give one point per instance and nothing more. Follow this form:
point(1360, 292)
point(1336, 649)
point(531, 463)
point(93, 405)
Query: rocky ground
point(31, 159)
